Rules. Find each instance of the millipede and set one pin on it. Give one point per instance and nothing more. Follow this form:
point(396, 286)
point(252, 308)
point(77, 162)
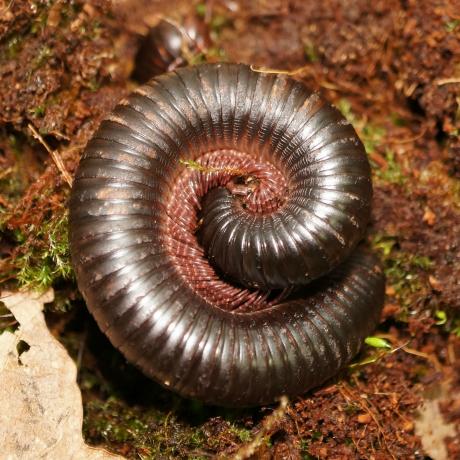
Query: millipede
point(216, 221)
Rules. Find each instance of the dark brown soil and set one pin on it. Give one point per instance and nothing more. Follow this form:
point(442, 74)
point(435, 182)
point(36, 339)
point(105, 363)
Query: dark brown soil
point(392, 67)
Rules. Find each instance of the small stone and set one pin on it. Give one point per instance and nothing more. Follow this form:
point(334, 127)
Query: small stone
point(429, 217)
point(408, 426)
point(390, 290)
point(364, 418)
point(435, 283)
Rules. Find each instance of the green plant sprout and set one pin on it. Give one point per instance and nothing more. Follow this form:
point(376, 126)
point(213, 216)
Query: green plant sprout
point(441, 317)
point(384, 348)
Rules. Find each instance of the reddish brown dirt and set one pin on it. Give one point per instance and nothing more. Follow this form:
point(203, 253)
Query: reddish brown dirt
point(393, 67)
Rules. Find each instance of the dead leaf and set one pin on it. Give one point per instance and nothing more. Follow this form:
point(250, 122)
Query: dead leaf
point(41, 409)
point(431, 426)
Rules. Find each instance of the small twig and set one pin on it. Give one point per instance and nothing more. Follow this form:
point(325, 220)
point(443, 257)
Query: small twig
point(5, 173)
point(408, 139)
point(7, 7)
point(194, 165)
point(188, 42)
point(306, 69)
point(280, 71)
point(54, 155)
point(379, 355)
point(6, 296)
point(349, 395)
point(248, 450)
point(431, 358)
point(447, 81)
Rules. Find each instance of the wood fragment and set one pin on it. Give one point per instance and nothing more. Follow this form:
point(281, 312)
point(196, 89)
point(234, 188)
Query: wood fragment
point(54, 155)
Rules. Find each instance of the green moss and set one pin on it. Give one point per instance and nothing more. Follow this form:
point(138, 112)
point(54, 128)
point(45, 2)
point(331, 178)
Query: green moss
point(38, 112)
point(243, 434)
point(44, 53)
point(310, 52)
point(402, 269)
point(399, 272)
point(94, 84)
point(11, 187)
point(114, 426)
point(450, 26)
point(13, 47)
point(218, 22)
point(455, 329)
point(39, 24)
point(392, 173)
point(304, 445)
point(196, 438)
point(197, 58)
point(144, 432)
point(435, 175)
point(397, 120)
point(344, 106)
point(13, 179)
point(201, 9)
point(371, 135)
point(373, 138)
point(351, 408)
point(69, 12)
point(384, 243)
point(47, 260)
point(449, 321)
point(15, 144)
point(216, 52)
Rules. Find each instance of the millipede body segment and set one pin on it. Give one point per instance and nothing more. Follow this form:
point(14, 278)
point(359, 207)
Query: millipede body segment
point(214, 220)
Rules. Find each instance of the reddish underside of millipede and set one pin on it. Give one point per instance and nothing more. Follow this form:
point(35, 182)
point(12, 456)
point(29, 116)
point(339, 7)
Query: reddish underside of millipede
point(259, 188)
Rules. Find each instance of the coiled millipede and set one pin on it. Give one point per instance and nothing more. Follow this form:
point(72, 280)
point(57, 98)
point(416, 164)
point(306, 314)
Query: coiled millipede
point(235, 280)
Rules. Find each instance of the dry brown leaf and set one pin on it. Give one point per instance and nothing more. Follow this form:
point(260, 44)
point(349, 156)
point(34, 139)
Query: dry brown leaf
point(431, 426)
point(41, 409)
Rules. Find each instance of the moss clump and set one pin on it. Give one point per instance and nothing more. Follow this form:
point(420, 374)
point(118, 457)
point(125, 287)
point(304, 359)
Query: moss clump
point(140, 432)
point(451, 26)
point(44, 53)
point(311, 53)
point(393, 172)
point(371, 135)
point(455, 329)
point(402, 269)
point(44, 257)
point(12, 48)
point(243, 434)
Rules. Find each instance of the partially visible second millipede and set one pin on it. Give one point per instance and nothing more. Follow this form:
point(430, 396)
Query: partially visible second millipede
point(214, 223)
